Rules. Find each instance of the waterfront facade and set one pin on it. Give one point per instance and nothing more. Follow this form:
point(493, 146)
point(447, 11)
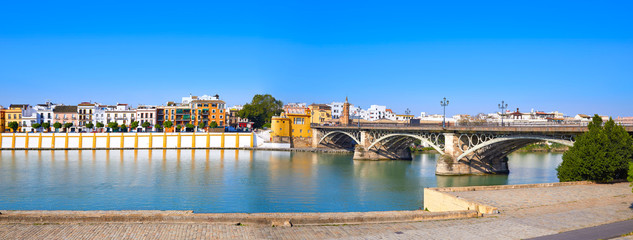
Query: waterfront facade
point(85, 114)
point(122, 115)
point(45, 112)
point(29, 117)
point(208, 110)
point(320, 113)
point(145, 114)
point(14, 114)
point(294, 122)
point(66, 114)
point(1, 119)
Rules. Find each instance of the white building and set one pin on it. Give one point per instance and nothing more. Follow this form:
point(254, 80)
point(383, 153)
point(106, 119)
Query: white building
point(45, 112)
point(337, 110)
point(434, 117)
point(187, 100)
point(376, 112)
point(122, 114)
point(146, 113)
point(29, 117)
point(99, 114)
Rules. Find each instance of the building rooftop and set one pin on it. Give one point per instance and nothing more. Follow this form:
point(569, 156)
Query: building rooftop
point(21, 106)
point(65, 109)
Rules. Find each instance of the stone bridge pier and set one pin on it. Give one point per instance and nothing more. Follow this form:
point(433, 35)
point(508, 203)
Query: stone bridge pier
point(461, 152)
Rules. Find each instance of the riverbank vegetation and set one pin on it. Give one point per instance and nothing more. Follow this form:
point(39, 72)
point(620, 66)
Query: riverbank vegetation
point(544, 147)
point(602, 154)
point(261, 110)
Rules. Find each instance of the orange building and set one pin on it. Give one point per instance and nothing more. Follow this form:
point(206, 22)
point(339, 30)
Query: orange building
point(193, 110)
point(209, 111)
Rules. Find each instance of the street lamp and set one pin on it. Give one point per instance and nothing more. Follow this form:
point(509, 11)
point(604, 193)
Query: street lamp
point(503, 106)
point(444, 103)
point(358, 115)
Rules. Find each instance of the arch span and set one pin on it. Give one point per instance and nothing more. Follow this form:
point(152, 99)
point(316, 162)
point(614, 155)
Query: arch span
point(333, 133)
point(425, 140)
point(520, 140)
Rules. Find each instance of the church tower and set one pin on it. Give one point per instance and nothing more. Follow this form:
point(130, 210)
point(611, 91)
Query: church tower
point(345, 117)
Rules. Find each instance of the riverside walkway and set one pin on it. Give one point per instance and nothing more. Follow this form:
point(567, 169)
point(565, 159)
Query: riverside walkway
point(525, 213)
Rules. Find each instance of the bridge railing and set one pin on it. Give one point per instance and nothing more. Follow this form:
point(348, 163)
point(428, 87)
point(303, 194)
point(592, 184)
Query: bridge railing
point(565, 124)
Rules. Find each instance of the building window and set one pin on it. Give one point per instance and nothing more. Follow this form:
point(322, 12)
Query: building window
point(298, 121)
point(221, 116)
point(213, 111)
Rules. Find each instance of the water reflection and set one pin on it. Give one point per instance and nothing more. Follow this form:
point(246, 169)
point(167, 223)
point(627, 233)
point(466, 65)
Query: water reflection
point(233, 180)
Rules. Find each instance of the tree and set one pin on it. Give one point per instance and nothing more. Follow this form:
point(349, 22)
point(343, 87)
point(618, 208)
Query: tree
point(168, 124)
point(14, 126)
point(100, 125)
point(67, 126)
point(134, 125)
point(202, 125)
point(123, 128)
point(36, 125)
point(89, 125)
point(158, 126)
point(114, 126)
point(261, 109)
point(213, 124)
point(189, 126)
point(46, 126)
point(602, 154)
point(57, 126)
point(146, 125)
point(178, 127)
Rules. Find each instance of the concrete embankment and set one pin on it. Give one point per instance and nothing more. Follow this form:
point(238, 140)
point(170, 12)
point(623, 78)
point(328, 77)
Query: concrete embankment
point(449, 199)
point(270, 219)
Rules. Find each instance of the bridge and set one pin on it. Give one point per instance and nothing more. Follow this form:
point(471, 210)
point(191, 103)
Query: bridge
point(464, 150)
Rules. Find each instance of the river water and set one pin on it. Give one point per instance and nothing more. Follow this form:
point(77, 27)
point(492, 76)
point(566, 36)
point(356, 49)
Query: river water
point(235, 180)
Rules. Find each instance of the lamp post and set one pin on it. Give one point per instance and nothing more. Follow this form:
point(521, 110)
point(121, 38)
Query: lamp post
point(444, 103)
point(358, 115)
point(503, 106)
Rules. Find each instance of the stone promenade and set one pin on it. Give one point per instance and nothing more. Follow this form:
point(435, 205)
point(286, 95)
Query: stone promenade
point(525, 213)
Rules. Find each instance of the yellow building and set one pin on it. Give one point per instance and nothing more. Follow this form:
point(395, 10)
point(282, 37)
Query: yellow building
point(293, 122)
point(280, 126)
point(320, 113)
point(14, 114)
point(1, 119)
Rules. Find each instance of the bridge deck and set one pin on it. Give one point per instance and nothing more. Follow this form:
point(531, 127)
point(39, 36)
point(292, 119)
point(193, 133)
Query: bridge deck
point(499, 129)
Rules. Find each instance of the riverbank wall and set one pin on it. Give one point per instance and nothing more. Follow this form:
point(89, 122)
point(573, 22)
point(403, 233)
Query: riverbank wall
point(262, 219)
point(114, 141)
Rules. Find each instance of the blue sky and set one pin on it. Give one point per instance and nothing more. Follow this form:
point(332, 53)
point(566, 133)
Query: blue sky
point(571, 56)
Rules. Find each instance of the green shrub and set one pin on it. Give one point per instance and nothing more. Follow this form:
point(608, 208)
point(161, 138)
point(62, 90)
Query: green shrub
point(602, 154)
